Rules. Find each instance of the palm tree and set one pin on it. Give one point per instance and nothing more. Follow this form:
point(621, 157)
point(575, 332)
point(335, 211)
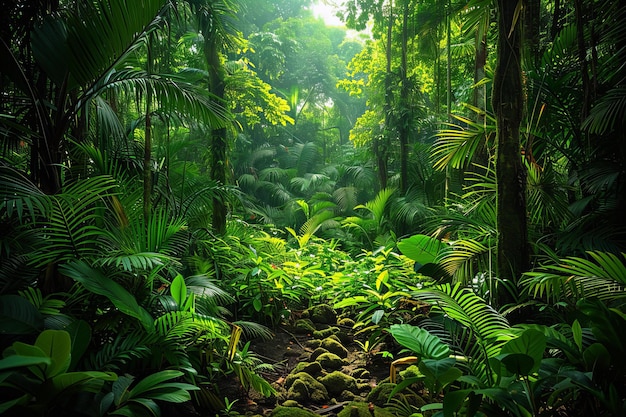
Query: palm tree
point(508, 102)
point(216, 20)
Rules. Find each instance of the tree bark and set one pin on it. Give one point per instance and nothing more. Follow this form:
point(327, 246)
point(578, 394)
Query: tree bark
point(219, 139)
point(405, 113)
point(508, 104)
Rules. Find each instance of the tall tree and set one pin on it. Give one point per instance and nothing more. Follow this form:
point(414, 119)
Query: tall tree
point(508, 104)
point(216, 21)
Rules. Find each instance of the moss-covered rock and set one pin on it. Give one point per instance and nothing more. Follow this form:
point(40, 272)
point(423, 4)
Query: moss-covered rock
point(346, 322)
point(322, 314)
point(331, 344)
point(316, 353)
point(330, 362)
point(282, 411)
point(361, 373)
point(311, 368)
point(360, 409)
point(303, 388)
point(312, 344)
point(336, 382)
point(380, 395)
point(304, 326)
point(324, 333)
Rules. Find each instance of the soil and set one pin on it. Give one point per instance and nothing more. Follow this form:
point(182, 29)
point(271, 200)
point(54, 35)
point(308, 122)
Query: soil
point(284, 351)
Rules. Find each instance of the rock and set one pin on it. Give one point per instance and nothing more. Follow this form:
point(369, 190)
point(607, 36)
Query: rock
point(316, 353)
point(304, 326)
point(337, 381)
point(330, 361)
point(322, 314)
point(331, 344)
point(324, 333)
point(282, 411)
point(312, 344)
point(346, 322)
point(311, 368)
point(361, 373)
point(347, 396)
point(359, 409)
point(380, 395)
point(302, 387)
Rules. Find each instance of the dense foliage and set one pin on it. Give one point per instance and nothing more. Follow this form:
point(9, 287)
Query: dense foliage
point(178, 178)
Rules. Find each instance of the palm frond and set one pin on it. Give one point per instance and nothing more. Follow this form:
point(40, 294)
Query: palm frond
point(603, 276)
point(609, 112)
point(462, 305)
point(71, 230)
point(90, 39)
point(172, 92)
point(20, 197)
point(455, 147)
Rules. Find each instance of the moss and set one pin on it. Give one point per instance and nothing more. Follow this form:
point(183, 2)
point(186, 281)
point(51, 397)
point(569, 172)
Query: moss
point(346, 322)
point(330, 361)
point(304, 326)
point(410, 372)
point(302, 387)
point(312, 343)
point(380, 395)
point(324, 333)
point(282, 411)
point(331, 344)
point(336, 382)
point(360, 409)
point(361, 373)
point(311, 368)
point(323, 314)
point(317, 352)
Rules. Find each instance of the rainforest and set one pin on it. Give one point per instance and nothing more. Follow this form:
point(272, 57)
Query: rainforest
point(409, 208)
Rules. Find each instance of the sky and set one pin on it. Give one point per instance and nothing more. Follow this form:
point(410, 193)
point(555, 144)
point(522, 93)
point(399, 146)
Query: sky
point(327, 12)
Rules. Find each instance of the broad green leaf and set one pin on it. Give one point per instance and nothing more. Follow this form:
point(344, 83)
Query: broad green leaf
point(80, 380)
point(95, 281)
point(57, 345)
point(257, 304)
point(422, 249)
point(377, 316)
point(24, 349)
point(531, 343)
point(152, 381)
point(179, 290)
point(382, 278)
point(419, 341)
point(597, 356)
point(20, 361)
point(577, 334)
point(517, 363)
point(80, 335)
point(453, 401)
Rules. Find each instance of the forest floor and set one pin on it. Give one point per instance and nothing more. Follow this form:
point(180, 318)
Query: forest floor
point(285, 351)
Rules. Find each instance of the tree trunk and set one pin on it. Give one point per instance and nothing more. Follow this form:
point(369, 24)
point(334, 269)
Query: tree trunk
point(382, 144)
point(147, 146)
point(219, 139)
point(508, 102)
point(405, 113)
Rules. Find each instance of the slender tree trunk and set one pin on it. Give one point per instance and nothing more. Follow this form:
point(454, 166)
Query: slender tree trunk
point(219, 139)
point(508, 102)
point(405, 113)
point(382, 143)
point(147, 147)
point(582, 58)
